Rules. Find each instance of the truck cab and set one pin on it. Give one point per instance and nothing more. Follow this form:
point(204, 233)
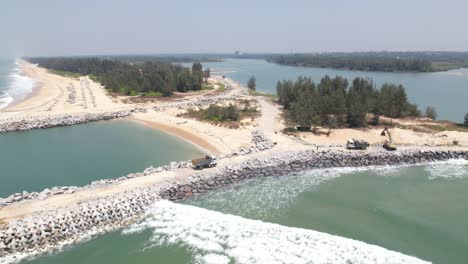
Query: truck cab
point(207, 162)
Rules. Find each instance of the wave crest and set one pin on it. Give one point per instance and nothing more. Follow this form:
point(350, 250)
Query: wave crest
point(222, 238)
point(18, 88)
point(454, 168)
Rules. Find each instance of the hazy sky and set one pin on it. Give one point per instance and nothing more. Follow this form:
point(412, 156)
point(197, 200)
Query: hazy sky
point(65, 27)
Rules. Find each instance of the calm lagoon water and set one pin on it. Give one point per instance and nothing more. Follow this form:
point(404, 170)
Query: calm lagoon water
point(447, 91)
point(76, 155)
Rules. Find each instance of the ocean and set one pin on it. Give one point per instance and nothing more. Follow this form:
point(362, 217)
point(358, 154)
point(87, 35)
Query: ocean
point(13, 85)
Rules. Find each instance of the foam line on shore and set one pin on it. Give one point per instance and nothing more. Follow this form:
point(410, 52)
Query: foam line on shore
point(19, 86)
point(214, 236)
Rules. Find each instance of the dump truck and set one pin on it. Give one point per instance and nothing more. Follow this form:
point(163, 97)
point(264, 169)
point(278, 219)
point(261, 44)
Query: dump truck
point(356, 144)
point(207, 162)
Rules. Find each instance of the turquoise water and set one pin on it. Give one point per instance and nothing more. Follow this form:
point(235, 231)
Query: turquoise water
point(419, 211)
point(76, 155)
point(447, 91)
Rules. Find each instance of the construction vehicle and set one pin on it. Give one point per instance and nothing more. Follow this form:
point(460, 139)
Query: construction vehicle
point(388, 144)
point(207, 162)
point(357, 144)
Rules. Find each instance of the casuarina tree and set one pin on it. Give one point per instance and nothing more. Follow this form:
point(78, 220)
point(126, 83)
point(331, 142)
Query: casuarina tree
point(252, 83)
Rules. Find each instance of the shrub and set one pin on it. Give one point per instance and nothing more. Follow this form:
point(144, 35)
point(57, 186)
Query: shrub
point(431, 112)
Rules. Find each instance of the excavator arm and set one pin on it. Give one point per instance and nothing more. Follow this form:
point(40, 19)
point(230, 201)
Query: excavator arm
point(386, 131)
point(388, 144)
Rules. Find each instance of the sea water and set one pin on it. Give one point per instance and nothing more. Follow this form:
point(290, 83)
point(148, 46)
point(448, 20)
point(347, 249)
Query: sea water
point(410, 214)
point(13, 84)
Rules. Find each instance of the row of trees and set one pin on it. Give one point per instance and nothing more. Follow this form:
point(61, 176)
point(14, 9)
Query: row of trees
point(121, 77)
point(333, 102)
point(354, 62)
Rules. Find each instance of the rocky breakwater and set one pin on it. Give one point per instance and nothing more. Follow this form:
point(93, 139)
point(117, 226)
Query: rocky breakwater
point(63, 120)
point(294, 162)
point(47, 231)
point(43, 231)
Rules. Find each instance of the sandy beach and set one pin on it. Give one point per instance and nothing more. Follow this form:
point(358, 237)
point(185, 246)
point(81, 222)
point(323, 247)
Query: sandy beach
point(182, 133)
point(57, 95)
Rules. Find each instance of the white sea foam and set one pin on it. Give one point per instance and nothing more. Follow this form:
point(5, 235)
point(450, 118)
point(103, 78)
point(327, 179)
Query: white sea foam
point(454, 168)
point(280, 192)
point(19, 87)
point(214, 237)
point(268, 194)
point(5, 100)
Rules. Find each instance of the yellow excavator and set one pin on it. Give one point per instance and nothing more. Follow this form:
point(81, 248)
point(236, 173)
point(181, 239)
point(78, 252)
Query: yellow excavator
point(388, 144)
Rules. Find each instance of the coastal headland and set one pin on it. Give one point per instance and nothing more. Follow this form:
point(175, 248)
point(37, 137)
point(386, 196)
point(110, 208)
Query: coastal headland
point(32, 223)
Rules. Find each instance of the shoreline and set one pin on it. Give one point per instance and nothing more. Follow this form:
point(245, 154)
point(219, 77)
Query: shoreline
point(35, 89)
point(180, 133)
point(54, 95)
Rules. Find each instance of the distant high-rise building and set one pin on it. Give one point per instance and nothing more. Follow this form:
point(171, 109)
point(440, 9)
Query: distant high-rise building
point(237, 53)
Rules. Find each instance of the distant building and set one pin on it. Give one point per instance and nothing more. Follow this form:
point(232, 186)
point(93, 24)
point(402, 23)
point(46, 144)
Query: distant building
point(237, 53)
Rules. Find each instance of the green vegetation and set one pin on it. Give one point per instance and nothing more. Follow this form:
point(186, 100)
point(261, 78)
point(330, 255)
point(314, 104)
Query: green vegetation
point(207, 87)
point(153, 94)
point(446, 66)
point(466, 120)
point(364, 63)
point(216, 113)
point(174, 58)
point(92, 77)
point(431, 113)
point(332, 103)
point(257, 93)
point(129, 79)
point(230, 113)
point(377, 61)
point(206, 74)
point(66, 73)
point(221, 87)
point(252, 83)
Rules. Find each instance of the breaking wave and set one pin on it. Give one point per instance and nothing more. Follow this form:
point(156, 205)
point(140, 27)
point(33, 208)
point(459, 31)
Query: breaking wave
point(269, 195)
point(5, 100)
point(454, 168)
point(215, 237)
point(18, 87)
